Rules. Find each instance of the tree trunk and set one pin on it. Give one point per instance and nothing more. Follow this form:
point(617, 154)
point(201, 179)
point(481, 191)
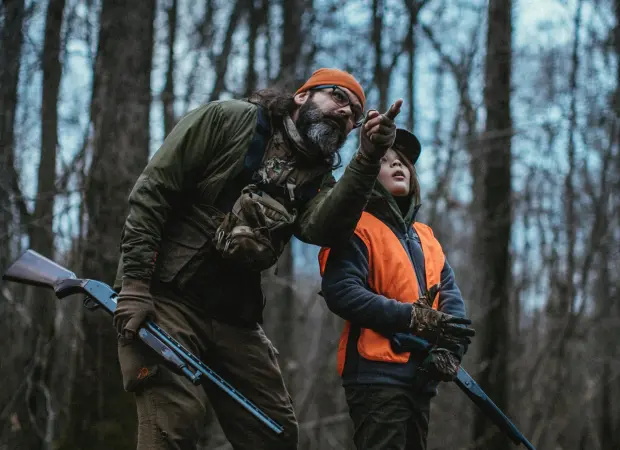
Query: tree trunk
point(168, 93)
point(255, 19)
point(42, 233)
point(42, 397)
point(103, 415)
point(414, 8)
point(495, 227)
point(609, 434)
point(616, 42)
point(221, 60)
point(285, 319)
point(411, 51)
point(266, 11)
point(10, 60)
point(292, 43)
point(381, 76)
point(14, 432)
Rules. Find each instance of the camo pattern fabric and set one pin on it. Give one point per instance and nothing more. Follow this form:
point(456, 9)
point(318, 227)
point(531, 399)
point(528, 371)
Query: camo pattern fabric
point(257, 229)
point(441, 364)
point(433, 325)
point(249, 234)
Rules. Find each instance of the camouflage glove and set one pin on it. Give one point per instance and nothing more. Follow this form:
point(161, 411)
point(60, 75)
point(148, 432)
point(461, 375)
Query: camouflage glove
point(134, 305)
point(456, 345)
point(443, 361)
point(433, 325)
point(441, 364)
point(378, 133)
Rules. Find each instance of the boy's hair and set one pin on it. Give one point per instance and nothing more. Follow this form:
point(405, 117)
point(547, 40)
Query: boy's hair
point(414, 183)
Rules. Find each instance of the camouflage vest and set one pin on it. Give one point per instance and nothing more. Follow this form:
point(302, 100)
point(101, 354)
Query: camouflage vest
point(251, 220)
point(254, 233)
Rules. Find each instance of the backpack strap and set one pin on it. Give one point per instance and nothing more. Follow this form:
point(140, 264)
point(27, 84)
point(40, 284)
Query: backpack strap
point(309, 190)
point(254, 158)
point(256, 151)
point(251, 163)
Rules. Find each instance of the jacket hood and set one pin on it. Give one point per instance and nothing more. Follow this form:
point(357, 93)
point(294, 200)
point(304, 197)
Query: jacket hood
point(384, 205)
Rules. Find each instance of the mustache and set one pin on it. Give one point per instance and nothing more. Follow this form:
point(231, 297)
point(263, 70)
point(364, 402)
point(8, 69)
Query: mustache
point(340, 122)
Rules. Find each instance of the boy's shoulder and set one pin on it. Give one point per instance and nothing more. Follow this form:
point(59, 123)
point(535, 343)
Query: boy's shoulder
point(368, 221)
point(421, 226)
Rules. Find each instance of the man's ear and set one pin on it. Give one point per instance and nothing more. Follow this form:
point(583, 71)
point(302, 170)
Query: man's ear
point(301, 98)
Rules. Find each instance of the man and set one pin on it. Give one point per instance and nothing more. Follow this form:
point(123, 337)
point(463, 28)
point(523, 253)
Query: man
point(216, 204)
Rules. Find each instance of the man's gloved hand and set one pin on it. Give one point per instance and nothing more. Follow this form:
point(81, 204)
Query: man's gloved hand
point(378, 133)
point(134, 306)
point(442, 364)
point(433, 325)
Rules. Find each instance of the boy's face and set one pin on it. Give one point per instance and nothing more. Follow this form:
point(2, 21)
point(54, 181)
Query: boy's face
point(394, 175)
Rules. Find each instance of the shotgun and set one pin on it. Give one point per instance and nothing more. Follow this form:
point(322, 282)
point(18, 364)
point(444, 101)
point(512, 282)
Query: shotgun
point(406, 342)
point(35, 269)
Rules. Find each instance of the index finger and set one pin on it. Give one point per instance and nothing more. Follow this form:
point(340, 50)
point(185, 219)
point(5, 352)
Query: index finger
point(394, 109)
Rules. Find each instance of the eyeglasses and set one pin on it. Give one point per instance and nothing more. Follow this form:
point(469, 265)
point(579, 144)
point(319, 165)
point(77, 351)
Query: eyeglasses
point(341, 99)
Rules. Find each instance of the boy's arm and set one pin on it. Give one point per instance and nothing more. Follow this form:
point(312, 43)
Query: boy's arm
point(451, 302)
point(346, 291)
point(450, 298)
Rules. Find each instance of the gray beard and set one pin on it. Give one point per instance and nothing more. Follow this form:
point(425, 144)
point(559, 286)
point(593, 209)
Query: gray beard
point(323, 135)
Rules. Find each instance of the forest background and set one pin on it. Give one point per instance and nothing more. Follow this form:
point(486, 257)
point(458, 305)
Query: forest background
point(517, 106)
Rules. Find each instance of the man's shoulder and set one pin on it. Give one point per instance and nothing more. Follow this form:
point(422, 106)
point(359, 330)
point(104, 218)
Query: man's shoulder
point(230, 107)
point(224, 112)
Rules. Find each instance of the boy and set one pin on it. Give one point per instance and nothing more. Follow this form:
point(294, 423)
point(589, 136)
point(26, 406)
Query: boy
point(392, 277)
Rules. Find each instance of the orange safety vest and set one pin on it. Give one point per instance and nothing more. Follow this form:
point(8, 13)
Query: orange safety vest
point(391, 274)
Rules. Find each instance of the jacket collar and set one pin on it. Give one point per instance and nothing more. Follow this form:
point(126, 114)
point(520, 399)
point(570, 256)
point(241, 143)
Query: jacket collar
point(293, 135)
point(383, 205)
point(303, 156)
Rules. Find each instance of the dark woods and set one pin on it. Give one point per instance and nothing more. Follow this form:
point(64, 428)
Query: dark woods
point(517, 108)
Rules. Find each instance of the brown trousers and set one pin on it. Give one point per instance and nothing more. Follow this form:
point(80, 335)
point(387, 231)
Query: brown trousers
point(171, 410)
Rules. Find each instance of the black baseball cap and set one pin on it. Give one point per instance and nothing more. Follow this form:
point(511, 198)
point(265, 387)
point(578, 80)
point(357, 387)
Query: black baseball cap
point(408, 144)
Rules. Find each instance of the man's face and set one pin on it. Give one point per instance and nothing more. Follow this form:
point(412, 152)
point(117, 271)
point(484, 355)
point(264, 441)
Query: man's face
point(394, 174)
point(322, 120)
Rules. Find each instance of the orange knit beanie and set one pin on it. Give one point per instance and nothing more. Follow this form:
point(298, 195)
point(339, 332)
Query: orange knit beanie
point(337, 77)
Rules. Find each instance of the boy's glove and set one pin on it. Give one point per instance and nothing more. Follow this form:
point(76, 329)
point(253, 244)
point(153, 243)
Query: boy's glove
point(442, 364)
point(378, 133)
point(134, 305)
point(433, 325)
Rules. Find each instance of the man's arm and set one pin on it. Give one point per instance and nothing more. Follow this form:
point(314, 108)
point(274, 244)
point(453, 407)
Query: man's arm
point(346, 291)
point(330, 218)
point(183, 156)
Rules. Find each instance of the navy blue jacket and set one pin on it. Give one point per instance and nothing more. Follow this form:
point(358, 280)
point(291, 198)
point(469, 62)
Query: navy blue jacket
point(347, 294)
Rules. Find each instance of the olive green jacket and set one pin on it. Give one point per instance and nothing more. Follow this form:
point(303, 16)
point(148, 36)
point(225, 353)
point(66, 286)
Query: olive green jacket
point(205, 149)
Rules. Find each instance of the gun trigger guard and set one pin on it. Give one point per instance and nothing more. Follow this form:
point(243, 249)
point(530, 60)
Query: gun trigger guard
point(90, 303)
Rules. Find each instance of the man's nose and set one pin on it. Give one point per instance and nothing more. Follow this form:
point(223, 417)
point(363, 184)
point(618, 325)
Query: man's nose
point(346, 111)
